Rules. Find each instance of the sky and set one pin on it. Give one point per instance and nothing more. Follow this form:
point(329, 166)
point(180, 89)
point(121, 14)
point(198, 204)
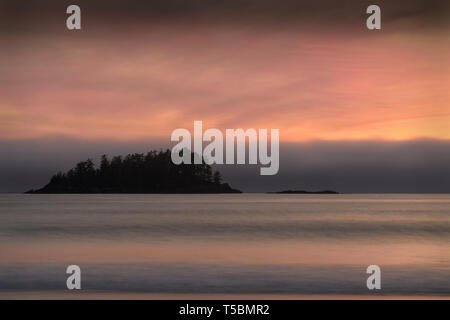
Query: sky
point(137, 70)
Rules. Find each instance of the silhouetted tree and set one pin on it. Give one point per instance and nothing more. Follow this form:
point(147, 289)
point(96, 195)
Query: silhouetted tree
point(217, 177)
point(153, 172)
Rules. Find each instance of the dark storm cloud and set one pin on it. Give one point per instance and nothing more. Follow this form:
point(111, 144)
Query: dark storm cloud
point(323, 13)
point(414, 166)
point(417, 166)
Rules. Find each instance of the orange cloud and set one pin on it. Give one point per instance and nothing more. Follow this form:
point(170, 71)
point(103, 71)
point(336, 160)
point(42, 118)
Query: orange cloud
point(309, 85)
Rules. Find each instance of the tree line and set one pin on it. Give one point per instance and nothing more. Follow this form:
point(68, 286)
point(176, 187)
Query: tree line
point(153, 172)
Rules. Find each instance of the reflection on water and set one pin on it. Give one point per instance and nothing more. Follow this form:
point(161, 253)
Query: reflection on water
point(240, 243)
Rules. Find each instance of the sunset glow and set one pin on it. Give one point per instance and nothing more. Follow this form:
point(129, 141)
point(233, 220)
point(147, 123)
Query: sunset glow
point(310, 85)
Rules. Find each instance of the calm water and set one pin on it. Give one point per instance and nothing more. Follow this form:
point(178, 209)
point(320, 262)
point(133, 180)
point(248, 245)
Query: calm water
point(225, 244)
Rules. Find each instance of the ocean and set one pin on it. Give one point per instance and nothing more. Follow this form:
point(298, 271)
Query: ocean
point(225, 245)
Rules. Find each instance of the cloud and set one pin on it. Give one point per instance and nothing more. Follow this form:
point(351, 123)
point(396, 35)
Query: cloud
point(426, 13)
point(309, 85)
point(418, 166)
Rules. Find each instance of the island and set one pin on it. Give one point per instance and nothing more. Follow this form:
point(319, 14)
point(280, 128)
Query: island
point(307, 192)
point(153, 172)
